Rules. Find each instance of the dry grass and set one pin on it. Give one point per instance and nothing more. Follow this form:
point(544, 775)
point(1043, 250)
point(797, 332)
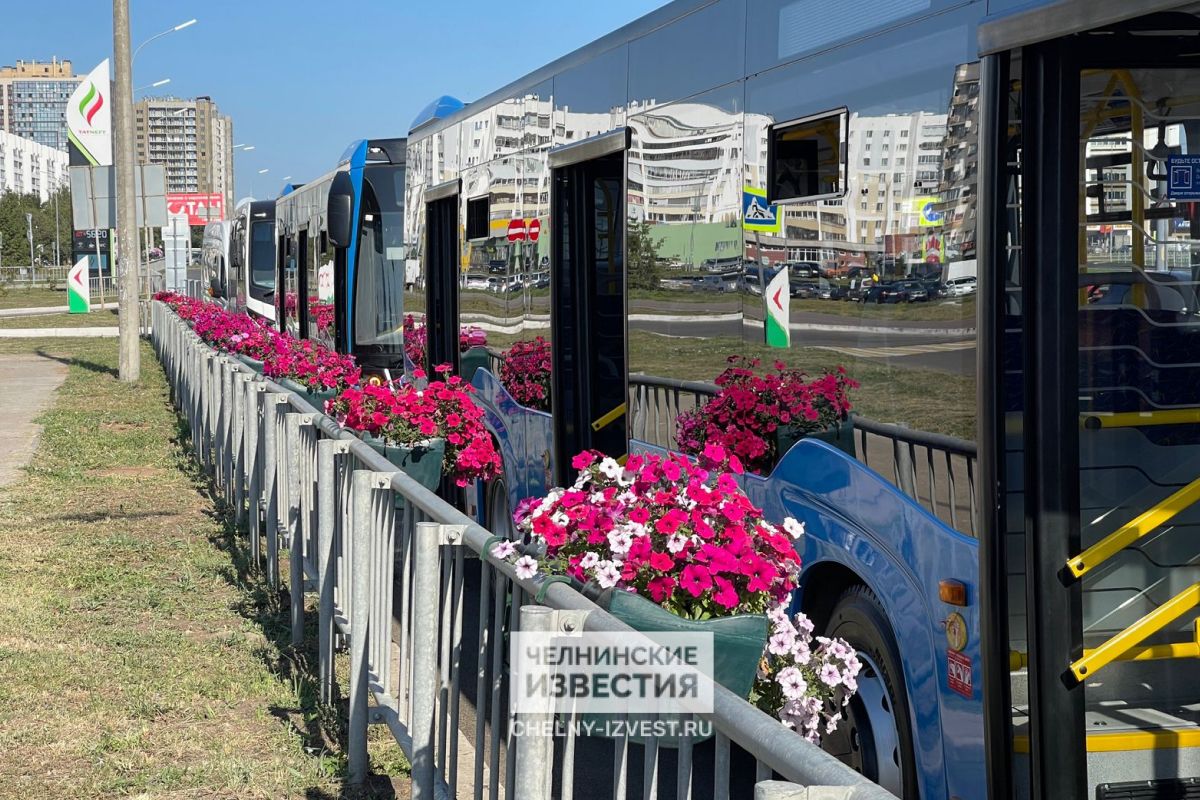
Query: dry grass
point(139, 658)
point(20, 297)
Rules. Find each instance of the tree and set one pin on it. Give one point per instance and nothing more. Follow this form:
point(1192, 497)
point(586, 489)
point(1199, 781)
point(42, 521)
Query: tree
point(644, 267)
point(14, 229)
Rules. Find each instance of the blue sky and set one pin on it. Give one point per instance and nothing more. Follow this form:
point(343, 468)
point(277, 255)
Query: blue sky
point(304, 78)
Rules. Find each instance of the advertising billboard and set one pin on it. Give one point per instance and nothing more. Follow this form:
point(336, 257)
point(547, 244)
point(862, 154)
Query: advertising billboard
point(200, 207)
point(89, 120)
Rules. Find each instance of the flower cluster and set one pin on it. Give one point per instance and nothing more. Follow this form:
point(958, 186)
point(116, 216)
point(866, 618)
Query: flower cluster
point(321, 314)
point(416, 338)
point(749, 407)
point(679, 533)
point(312, 365)
point(806, 686)
point(402, 414)
point(525, 373)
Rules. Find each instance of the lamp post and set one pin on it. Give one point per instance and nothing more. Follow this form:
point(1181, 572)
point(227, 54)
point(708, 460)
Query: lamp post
point(154, 85)
point(29, 224)
point(178, 27)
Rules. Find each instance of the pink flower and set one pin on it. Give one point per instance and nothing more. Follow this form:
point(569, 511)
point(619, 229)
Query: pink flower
point(695, 580)
point(725, 595)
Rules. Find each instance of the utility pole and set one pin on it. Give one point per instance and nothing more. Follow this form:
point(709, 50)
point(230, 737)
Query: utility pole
point(128, 322)
point(29, 224)
point(57, 254)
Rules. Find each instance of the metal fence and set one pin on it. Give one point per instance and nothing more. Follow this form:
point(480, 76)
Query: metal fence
point(409, 582)
point(937, 471)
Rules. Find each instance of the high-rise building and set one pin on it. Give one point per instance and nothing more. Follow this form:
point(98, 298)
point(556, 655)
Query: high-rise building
point(33, 100)
point(28, 167)
point(192, 139)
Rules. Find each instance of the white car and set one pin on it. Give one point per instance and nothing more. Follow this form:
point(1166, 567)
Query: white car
point(961, 287)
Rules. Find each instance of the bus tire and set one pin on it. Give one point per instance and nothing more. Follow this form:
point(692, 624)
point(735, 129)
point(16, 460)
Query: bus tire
point(874, 736)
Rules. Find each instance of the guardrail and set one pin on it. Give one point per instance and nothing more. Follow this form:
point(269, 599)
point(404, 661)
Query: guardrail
point(944, 484)
point(409, 581)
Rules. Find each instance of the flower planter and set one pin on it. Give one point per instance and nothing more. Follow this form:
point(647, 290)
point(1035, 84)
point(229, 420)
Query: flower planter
point(314, 399)
point(840, 436)
point(738, 641)
point(470, 360)
point(422, 463)
point(252, 363)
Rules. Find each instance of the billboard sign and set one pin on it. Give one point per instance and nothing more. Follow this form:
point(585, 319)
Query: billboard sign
point(201, 207)
point(89, 120)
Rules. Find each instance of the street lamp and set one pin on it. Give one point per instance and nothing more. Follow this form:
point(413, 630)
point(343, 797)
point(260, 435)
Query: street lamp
point(154, 85)
point(178, 27)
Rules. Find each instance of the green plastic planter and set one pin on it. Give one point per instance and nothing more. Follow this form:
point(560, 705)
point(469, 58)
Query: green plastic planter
point(422, 463)
point(471, 360)
point(252, 363)
point(840, 436)
point(315, 399)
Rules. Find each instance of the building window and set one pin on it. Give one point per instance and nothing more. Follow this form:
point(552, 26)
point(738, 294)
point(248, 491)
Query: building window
point(478, 216)
point(805, 158)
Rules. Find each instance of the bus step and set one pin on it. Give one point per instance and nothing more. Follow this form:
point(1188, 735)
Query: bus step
point(1165, 789)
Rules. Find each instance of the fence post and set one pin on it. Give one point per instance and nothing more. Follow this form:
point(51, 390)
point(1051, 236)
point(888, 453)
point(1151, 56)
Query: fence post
point(327, 451)
point(360, 580)
point(271, 483)
point(535, 749)
point(293, 423)
point(425, 599)
point(904, 468)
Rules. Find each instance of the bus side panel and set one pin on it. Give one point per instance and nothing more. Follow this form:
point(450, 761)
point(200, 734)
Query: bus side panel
point(523, 438)
point(856, 518)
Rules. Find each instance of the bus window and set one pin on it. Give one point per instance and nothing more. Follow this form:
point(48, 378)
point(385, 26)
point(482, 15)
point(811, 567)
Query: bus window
point(379, 274)
point(262, 254)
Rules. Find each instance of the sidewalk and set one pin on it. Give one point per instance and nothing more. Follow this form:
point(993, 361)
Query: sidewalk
point(59, 333)
point(138, 657)
point(34, 311)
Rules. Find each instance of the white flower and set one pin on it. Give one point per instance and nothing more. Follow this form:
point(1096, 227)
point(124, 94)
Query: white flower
point(610, 469)
point(804, 625)
point(607, 574)
point(504, 550)
point(560, 519)
point(634, 529)
point(527, 567)
point(777, 614)
point(619, 542)
point(676, 542)
point(626, 478)
point(851, 684)
point(832, 723)
point(800, 652)
point(795, 529)
point(781, 643)
point(831, 676)
point(791, 680)
point(589, 560)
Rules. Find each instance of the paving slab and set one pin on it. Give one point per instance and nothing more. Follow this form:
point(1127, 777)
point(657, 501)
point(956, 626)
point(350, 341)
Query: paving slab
point(27, 386)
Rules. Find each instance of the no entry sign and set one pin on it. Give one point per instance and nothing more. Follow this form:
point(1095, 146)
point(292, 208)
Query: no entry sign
point(521, 229)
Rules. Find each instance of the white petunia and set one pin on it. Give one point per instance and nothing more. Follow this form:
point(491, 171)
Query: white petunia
point(792, 682)
point(676, 542)
point(619, 542)
point(608, 573)
point(795, 529)
point(610, 469)
point(504, 550)
point(589, 560)
point(527, 567)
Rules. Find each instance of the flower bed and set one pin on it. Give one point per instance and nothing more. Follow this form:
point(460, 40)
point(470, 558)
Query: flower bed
point(319, 370)
point(757, 414)
point(525, 373)
point(416, 340)
point(405, 416)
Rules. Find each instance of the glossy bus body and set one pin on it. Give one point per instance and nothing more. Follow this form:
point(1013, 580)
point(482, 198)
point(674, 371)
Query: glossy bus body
point(351, 279)
point(675, 165)
point(214, 260)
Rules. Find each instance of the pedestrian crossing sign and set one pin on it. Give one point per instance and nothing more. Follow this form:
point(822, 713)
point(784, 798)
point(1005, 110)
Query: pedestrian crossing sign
point(757, 213)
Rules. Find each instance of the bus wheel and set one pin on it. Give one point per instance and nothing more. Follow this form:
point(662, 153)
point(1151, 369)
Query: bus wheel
point(874, 736)
point(499, 517)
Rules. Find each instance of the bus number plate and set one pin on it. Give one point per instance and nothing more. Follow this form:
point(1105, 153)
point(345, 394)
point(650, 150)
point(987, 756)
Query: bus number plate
point(958, 673)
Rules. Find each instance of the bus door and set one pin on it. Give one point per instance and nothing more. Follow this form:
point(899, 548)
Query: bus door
point(441, 282)
point(587, 286)
point(1091, 570)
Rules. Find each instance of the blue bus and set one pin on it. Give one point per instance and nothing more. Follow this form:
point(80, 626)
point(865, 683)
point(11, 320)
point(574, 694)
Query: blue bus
point(341, 255)
point(1020, 510)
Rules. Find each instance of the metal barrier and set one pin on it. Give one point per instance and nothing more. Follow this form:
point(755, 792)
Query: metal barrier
point(944, 484)
point(409, 582)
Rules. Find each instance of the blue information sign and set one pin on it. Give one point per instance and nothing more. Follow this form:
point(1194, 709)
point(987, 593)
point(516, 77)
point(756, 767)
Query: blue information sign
point(1183, 177)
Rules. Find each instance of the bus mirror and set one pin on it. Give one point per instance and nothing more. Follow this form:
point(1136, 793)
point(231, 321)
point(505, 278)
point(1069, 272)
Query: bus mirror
point(340, 210)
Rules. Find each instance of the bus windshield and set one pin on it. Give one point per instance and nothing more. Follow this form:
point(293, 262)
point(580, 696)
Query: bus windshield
point(262, 254)
point(379, 279)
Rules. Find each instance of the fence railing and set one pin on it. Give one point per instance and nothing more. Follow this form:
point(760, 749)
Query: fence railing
point(409, 582)
point(937, 471)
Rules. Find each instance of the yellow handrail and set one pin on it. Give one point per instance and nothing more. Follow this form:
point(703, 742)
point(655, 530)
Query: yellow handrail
point(1139, 419)
point(609, 418)
point(1139, 526)
point(1124, 642)
point(1155, 652)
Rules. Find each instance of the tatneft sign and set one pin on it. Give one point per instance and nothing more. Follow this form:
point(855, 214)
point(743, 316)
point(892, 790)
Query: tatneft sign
point(89, 120)
point(200, 207)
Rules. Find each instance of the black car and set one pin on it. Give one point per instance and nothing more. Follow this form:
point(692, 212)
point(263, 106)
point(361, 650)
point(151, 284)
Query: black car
point(915, 292)
point(887, 293)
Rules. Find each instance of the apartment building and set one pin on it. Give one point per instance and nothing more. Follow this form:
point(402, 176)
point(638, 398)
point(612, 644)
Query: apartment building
point(192, 139)
point(33, 100)
point(29, 167)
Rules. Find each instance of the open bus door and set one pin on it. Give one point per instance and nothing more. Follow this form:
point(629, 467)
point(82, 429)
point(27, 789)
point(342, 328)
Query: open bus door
point(441, 284)
point(1090, 551)
point(587, 292)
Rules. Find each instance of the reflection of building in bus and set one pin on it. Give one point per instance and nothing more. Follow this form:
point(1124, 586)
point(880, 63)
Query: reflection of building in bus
point(957, 202)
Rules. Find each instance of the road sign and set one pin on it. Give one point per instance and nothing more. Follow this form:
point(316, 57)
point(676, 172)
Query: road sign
point(516, 230)
point(79, 300)
point(1183, 177)
point(778, 299)
point(534, 229)
point(757, 213)
point(927, 215)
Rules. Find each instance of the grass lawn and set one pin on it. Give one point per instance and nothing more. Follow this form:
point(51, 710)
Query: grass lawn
point(139, 658)
point(11, 297)
point(99, 318)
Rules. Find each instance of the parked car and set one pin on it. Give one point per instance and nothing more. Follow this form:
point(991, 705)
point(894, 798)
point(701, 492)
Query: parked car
point(962, 286)
point(887, 293)
point(915, 292)
point(935, 288)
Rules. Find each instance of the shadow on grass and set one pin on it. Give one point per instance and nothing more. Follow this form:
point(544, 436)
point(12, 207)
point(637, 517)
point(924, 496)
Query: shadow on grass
point(322, 729)
point(91, 366)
